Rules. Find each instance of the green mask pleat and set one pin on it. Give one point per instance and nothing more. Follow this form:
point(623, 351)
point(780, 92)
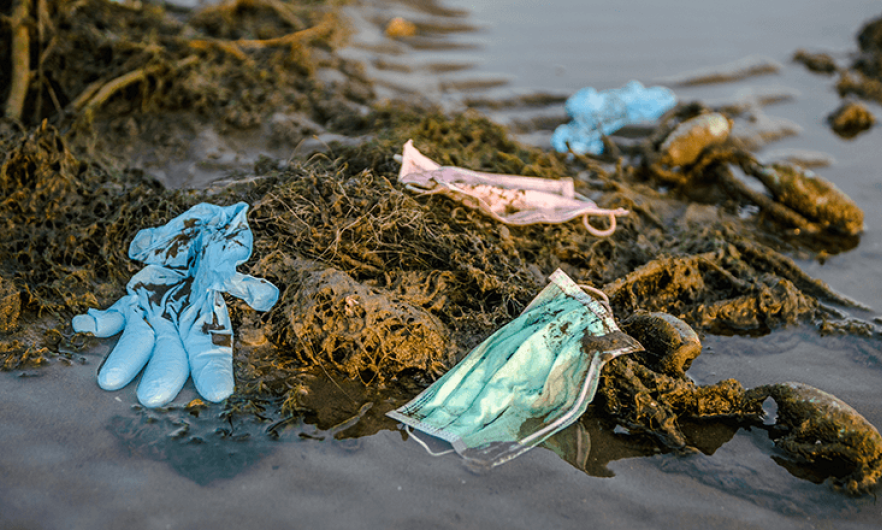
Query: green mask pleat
point(527, 381)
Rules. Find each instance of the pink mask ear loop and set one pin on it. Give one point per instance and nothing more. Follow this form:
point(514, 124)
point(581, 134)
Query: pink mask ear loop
point(597, 232)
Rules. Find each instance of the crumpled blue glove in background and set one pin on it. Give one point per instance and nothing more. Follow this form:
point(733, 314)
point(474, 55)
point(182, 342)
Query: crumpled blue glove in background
point(174, 319)
point(597, 114)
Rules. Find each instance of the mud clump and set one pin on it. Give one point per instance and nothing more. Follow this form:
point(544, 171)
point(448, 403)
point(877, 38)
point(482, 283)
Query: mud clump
point(812, 196)
point(821, 63)
point(869, 62)
point(716, 291)
point(851, 119)
point(656, 404)
point(363, 332)
point(815, 427)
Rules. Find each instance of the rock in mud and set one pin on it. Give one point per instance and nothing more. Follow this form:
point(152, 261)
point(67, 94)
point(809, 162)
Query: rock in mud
point(816, 62)
point(399, 27)
point(670, 344)
point(851, 119)
point(684, 145)
point(814, 426)
point(813, 197)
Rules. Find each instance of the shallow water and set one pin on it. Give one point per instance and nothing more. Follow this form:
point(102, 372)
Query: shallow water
point(74, 456)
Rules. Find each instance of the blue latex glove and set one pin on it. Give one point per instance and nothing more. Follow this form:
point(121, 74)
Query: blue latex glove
point(174, 319)
point(597, 114)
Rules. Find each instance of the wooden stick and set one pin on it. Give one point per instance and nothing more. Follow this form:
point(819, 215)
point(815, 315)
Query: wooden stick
point(224, 45)
point(21, 60)
point(234, 48)
point(103, 92)
point(326, 24)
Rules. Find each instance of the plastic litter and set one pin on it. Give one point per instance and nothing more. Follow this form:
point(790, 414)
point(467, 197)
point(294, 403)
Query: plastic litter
point(509, 199)
point(598, 114)
point(530, 379)
point(174, 319)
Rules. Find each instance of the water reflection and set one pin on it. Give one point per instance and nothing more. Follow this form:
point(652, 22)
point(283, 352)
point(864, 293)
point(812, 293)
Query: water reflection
point(590, 445)
point(202, 447)
point(206, 443)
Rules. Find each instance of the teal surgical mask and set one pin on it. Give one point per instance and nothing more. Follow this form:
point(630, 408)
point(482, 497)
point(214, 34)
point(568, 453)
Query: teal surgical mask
point(527, 381)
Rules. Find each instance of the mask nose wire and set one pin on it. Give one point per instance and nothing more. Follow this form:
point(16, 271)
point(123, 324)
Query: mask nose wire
point(409, 430)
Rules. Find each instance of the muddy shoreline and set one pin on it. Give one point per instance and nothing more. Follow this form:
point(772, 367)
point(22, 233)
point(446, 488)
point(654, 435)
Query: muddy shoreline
point(333, 225)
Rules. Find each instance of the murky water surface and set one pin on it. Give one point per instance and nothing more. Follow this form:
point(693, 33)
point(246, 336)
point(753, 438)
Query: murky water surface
point(74, 456)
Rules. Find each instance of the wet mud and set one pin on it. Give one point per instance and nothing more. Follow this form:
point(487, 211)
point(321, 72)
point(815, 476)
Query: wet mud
point(383, 291)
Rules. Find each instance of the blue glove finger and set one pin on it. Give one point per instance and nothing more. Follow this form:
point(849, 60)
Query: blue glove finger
point(104, 323)
point(168, 369)
point(132, 351)
point(208, 338)
point(258, 293)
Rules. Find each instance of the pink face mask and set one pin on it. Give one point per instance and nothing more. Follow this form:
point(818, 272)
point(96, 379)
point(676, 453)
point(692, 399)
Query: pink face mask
point(509, 199)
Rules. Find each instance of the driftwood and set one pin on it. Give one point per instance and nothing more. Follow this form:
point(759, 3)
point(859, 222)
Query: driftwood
point(21, 59)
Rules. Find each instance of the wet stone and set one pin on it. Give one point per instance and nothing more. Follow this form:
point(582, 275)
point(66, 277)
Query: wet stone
point(690, 138)
point(670, 344)
point(851, 119)
point(815, 427)
point(812, 196)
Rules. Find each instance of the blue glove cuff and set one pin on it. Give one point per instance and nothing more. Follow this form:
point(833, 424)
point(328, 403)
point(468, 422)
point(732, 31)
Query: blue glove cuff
point(258, 293)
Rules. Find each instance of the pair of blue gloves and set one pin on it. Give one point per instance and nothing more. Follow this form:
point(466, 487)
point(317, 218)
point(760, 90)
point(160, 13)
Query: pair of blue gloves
point(174, 319)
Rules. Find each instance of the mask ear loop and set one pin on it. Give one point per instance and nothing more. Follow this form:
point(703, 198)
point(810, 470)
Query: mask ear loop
point(598, 293)
point(597, 231)
point(409, 430)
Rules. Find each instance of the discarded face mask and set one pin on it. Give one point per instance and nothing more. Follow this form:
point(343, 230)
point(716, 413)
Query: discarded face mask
point(510, 199)
point(598, 114)
point(174, 319)
point(530, 379)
